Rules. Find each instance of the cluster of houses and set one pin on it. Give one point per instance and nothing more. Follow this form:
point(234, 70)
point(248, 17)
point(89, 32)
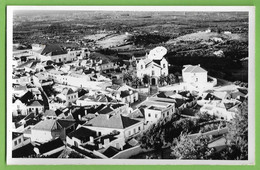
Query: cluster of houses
point(64, 104)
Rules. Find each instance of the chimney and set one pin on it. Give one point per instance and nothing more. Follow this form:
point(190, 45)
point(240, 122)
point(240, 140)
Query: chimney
point(117, 96)
point(36, 150)
point(91, 139)
point(106, 141)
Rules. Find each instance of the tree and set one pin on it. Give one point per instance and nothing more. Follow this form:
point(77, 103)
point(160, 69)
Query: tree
point(237, 141)
point(177, 74)
point(238, 135)
point(146, 79)
point(162, 79)
point(188, 148)
point(165, 130)
point(171, 79)
point(127, 77)
point(136, 81)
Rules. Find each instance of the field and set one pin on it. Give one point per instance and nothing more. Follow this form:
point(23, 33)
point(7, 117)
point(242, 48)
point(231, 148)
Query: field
point(216, 40)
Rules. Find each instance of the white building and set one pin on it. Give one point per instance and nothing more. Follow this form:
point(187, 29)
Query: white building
point(105, 124)
point(194, 75)
point(222, 110)
point(19, 140)
point(19, 108)
point(154, 64)
point(196, 78)
point(52, 52)
point(47, 130)
point(157, 108)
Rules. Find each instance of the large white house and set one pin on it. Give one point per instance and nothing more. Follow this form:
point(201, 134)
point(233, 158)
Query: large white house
point(157, 108)
point(154, 64)
point(196, 78)
point(105, 124)
point(194, 74)
point(52, 52)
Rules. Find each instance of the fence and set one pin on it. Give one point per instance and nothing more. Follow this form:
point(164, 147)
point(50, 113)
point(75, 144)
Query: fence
point(213, 133)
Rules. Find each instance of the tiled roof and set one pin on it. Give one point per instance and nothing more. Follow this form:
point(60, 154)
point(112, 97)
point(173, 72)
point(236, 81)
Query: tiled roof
point(20, 87)
point(179, 102)
point(209, 96)
point(115, 106)
point(24, 151)
point(15, 135)
point(66, 123)
point(96, 109)
point(124, 93)
point(49, 113)
point(105, 110)
point(114, 87)
point(194, 69)
point(49, 67)
point(35, 103)
point(47, 125)
point(116, 121)
point(52, 49)
point(111, 151)
point(27, 96)
point(67, 91)
point(83, 134)
point(228, 105)
point(153, 64)
point(49, 146)
point(29, 116)
point(78, 111)
point(25, 64)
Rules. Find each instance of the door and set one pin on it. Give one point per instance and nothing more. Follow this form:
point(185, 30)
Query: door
point(153, 81)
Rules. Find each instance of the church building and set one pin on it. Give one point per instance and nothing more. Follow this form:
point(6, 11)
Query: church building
point(154, 64)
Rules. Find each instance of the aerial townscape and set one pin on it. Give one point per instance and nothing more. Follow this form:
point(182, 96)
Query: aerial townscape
point(119, 86)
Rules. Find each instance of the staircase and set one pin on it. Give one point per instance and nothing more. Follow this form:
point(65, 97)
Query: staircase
point(153, 89)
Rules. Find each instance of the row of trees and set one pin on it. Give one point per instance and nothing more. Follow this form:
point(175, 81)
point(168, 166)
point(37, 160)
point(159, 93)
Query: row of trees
point(131, 79)
point(236, 142)
point(166, 130)
point(172, 131)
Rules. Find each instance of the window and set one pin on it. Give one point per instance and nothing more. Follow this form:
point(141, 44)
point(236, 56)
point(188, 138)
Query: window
point(134, 131)
point(155, 115)
point(142, 66)
point(129, 133)
point(168, 113)
point(152, 72)
point(149, 114)
point(15, 143)
point(197, 79)
point(19, 140)
point(163, 65)
point(139, 128)
point(68, 97)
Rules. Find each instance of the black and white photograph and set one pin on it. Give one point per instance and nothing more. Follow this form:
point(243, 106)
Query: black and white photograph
point(130, 85)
